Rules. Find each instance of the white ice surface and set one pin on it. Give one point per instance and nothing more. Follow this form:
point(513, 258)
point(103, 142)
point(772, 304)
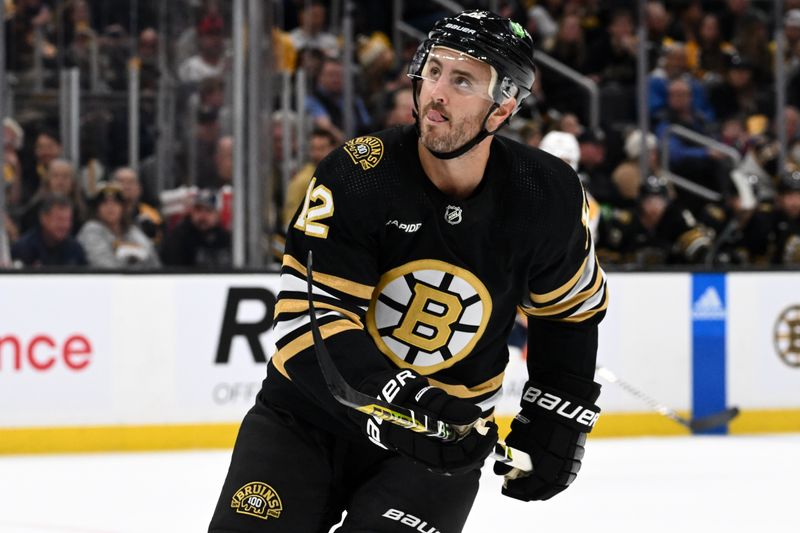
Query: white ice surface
point(670, 485)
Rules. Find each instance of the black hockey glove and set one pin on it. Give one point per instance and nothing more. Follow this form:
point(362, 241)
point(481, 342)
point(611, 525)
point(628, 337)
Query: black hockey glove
point(408, 389)
point(552, 428)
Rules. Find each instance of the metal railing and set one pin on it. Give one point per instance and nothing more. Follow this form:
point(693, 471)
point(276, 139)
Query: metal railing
point(588, 84)
point(740, 182)
point(747, 197)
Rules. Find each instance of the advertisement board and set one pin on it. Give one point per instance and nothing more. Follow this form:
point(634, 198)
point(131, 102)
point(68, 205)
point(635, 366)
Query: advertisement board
point(166, 361)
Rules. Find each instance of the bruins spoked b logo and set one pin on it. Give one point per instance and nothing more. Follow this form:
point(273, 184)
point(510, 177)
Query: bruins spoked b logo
point(787, 336)
point(428, 314)
point(257, 499)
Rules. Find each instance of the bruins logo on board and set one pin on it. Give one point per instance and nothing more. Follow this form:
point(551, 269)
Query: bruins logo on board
point(428, 315)
point(787, 336)
point(365, 151)
point(257, 499)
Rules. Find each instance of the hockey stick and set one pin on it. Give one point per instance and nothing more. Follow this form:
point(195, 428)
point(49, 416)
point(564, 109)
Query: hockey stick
point(695, 424)
point(397, 414)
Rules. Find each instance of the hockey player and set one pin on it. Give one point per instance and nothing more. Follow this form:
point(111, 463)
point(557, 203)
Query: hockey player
point(426, 239)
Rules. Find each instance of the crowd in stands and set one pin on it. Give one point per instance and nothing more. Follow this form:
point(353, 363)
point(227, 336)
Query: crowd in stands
point(711, 69)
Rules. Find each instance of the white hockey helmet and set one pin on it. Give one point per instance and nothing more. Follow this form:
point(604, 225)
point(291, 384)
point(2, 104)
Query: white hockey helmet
point(562, 145)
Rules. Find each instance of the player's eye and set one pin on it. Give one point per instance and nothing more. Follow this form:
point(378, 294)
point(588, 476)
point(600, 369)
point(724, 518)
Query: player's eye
point(465, 84)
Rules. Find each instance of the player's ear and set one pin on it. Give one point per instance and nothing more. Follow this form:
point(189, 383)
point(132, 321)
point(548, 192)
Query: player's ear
point(501, 114)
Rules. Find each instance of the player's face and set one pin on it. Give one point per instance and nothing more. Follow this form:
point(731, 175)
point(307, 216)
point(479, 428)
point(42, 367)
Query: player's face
point(454, 98)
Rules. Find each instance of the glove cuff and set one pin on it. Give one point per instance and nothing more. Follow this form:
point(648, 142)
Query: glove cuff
point(559, 406)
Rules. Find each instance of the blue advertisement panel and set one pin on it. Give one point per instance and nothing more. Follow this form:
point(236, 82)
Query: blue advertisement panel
point(709, 305)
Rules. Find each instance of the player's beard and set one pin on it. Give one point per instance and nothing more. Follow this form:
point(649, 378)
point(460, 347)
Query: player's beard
point(459, 132)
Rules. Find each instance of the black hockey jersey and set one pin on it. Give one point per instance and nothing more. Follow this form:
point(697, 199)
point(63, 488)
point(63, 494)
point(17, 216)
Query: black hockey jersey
point(407, 277)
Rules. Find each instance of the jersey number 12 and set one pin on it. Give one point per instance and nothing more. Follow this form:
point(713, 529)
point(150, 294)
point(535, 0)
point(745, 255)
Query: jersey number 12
point(322, 208)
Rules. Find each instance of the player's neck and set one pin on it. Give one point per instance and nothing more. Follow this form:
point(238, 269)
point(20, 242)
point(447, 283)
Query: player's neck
point(457, 177)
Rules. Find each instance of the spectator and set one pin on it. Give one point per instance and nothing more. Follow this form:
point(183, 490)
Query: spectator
point(311, 61)
point(211, 93)
point(284, 54)
point(46, 148)
point(543, 21)
point(326, 104)
point(733, 132)
point(791, 32)
point(739, 94)
point(673, 65)
point(13, 141)
point(734, 17)
point(80, 54)
point(530, 133)
point(12, 180)
point(787, 227)
point(400, 109)
point(143, 215)
point(115, 55)
point(50, 242)
point(708, 56)
point(627, 176)
point(59, 179)
point(198, 240)
point(204, 137)
point(704, 166)
point(592, 164)
point(148, 57)
point(565, 147)
point(210, 60)
point(658, 231)
point(320, 144)
point(13, 135)
point(109, 238)
point(311, 29)
point(75, 17)
point(284, 164)
point(753, 44)
point(686, 26)
point(657, 21)
point(570, 49)
point(613, 59)
point(376, 58)
point(222, 170)
point(773, 234)
point(569, 123)
point(28, 17)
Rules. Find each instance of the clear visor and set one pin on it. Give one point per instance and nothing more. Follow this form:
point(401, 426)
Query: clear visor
point(462, 73)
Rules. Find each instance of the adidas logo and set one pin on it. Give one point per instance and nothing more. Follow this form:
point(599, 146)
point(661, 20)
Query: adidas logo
point(709, 306)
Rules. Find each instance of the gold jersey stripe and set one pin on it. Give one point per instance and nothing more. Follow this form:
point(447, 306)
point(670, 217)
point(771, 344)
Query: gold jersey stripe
point(562, 290)
point(306, 340)
point(588, 313)
point(462, 391)
point(340, 284)
point(288, 305)
point(572, 302)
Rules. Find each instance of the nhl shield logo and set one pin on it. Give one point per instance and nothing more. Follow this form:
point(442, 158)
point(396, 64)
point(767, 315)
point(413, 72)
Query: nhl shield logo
point(452, 214)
